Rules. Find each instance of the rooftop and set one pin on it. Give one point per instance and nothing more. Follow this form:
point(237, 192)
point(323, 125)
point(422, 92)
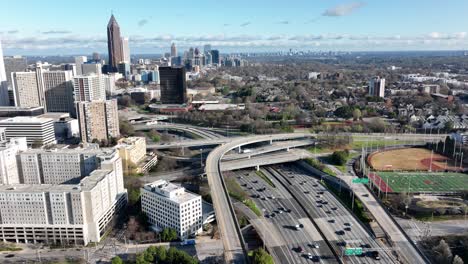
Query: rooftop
point(26, 119)
point(170, 191)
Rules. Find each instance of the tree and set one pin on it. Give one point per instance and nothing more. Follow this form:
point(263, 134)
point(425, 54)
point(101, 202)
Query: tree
point(357, 114)
point(117, 260)
point(168, 234)
point(457, 260)
point(140, 259)
point(260, 256)
point(160, 254)
point(448, 126)
point(443, 254)
point(126, 129)
point(339, 157)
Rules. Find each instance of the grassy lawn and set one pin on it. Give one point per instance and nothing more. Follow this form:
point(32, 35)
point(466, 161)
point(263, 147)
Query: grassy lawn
point(379, 143)
point(251, 204)
point(9, 247)
point(265, 178)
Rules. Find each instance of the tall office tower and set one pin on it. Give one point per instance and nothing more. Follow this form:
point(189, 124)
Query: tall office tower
point(96, 57)
point(61, 166)
point(98, 120)
point(25, 87)
point(173, 85)
point(3, 81)
point(125, 50)
point(155, 75)
point(173, 50)
point(207, 48)
point(208, 58)
point(215, 57)
point(91, 68)
point(89, 88)
point(80, 60)
point(14, 64)
point(109, 82)
point(191, 54)
point(114, 44)
point(58, 89)
point(377, 87)
point(9, 173)
point(124, 69)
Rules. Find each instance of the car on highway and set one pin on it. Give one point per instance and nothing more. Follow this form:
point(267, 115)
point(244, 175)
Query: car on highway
point(319, 205)
point(314, 245)
point(334, 208)
point(342, 243)
point(255, 181)
point(348, 228)
point(328, 212)
point(365, 195)
point(306, 192)
point(9, 255)
point(374, 254)
point(299, 226)
point(244, 184)
point(331, 220)
point(324, 202)
point(299, 249)
point(312, 257)
point(348, 224)
point(340, 232)
point(365, 246)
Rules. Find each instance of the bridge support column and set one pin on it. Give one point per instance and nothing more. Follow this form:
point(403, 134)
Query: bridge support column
point(249, 157)
point(287, 149)
point(239, 149)
point(183, 151)
point(271, 141)
point(257, 167)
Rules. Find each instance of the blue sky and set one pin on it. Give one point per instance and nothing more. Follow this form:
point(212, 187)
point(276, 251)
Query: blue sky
point(79, 27)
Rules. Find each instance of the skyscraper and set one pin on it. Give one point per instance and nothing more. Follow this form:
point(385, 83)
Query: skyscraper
point(377, 87)
point(96, 57)
point(14, 64)
point(173, 50)
point(58, 89)
point(25, 89)
point(125, 50)
point(89, 88)
point(80, 60)
point(215, 57)
point(3, 81)
point(114, 44)
point(98, 120)
point(173, 85)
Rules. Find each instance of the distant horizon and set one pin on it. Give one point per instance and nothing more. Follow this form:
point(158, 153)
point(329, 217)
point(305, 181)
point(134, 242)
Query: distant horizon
point(104, 54)
point(52, 27)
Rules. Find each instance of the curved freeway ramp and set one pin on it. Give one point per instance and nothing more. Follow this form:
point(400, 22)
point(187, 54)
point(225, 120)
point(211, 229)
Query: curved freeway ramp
point(234, 247)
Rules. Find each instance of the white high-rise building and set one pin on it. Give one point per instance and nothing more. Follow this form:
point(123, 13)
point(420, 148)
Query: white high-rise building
point(36, 130)
point(377, 87)
point(61, 214)
point(170, 206)
point(58, 89)
point(80, 60)
point(60, 166)
point(3, 81)
point(125, 50)
point(110, 80)
point(89, 88)
point(91, 68)
point(9, 173)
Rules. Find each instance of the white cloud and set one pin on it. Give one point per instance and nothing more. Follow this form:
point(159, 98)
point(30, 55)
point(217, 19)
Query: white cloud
point(343, 10)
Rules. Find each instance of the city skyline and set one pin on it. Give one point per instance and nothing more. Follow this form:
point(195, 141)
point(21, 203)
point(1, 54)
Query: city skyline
point(241, 26)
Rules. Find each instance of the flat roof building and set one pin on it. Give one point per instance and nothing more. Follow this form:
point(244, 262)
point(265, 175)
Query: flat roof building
point(38, 131)
point(98, 120)
point(170, 206)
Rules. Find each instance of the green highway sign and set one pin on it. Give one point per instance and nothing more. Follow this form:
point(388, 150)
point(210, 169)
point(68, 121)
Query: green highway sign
point(353, 251)
point(361, 180)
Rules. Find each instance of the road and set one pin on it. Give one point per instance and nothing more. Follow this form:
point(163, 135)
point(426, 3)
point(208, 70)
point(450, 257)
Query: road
point(268, 148)
point(262, 160)
point(407, 249)
point(234, 246)
point(278, 232)
point(198, 131)
point(307, 191)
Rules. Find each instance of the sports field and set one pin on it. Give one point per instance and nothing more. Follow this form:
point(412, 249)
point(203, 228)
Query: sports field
point(410, 159)
point(419, 181)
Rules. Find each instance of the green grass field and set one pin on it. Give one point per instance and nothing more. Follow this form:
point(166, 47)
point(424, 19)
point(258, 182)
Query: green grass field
point(420, 181)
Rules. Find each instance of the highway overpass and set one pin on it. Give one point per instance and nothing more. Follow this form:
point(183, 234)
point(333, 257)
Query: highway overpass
point(233, 242)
